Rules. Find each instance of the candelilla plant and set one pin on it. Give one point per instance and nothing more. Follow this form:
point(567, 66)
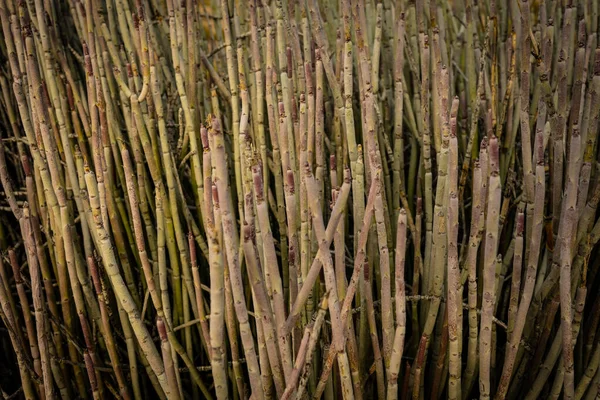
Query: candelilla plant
point(281, 199)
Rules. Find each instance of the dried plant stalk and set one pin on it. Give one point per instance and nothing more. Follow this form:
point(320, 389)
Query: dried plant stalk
point(267, 191)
